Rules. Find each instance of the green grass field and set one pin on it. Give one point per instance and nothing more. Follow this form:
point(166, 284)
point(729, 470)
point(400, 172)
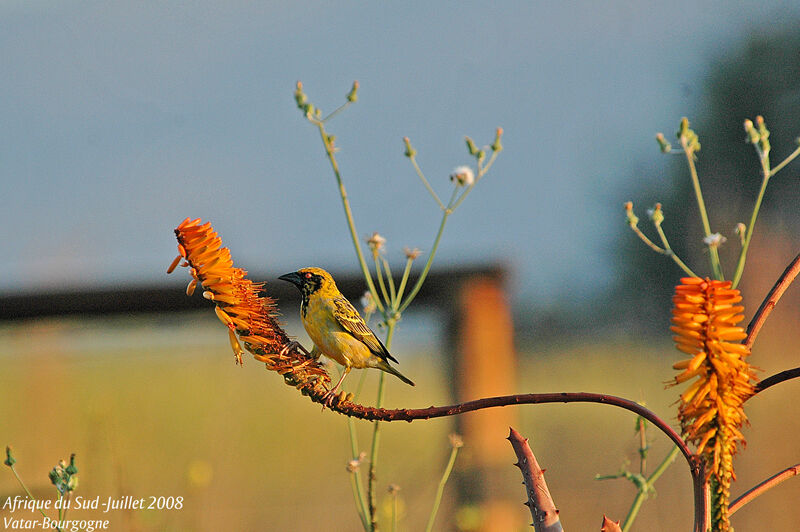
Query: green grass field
point(156, 407)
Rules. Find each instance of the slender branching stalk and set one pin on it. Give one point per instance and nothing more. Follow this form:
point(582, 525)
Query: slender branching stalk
point(691, 145)
point(646, 488)
point(388, 298)
point(456, 444)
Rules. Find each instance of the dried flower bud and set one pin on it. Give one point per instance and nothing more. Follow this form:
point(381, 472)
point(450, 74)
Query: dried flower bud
point(410, 152)
point(376, 243)
point(300, 97)
point(752, 135)
point(72, 469)
point(741, 232)
point(633, 220)
point(688, 137)
point(353, 465)
point(367, 303)
point(352, 96)
point(497, 145)
point(663, 144)
point(456, 440)
point(763, 134)
point(10, 460)
point(471, 148)
point(656, 214)
point(714, 240)
point(412, 254)
point(393, 489)
point(463, 175)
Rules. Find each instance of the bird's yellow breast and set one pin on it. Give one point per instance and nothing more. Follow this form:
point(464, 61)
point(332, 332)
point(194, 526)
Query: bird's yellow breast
point(331, 339)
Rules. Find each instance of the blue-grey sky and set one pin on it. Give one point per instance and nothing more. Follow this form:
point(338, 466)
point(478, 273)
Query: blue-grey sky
point(119, 119)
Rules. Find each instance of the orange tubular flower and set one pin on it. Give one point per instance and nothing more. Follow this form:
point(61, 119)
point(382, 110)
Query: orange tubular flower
point(249, 315)
point(705, 319)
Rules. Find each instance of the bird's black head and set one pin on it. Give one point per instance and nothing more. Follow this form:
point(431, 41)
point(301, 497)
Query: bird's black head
point(308, 280)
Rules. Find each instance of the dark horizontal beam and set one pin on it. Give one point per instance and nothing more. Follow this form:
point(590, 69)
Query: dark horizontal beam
point(170, 296)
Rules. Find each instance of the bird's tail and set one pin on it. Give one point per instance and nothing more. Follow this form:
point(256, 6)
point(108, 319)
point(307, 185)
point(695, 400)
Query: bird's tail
point(390, 369)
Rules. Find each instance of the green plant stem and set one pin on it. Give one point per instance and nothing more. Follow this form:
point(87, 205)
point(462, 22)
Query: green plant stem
point(737, 276)
point(348, 213)
point(647, 241)
point(482, 170)
point(376, 435)
point(389, 281)
point(671, 254)
point(425, 181)
point(402, 288)
point(440, 490)
point(336, 111)
point(786, 161)
point(355, 478)
point(62, 513)
point(644, 491)
point(394, 512)
point(427, 267)
point(28, 492)
point(642, 446)
point(381, 284)
point(716, 267)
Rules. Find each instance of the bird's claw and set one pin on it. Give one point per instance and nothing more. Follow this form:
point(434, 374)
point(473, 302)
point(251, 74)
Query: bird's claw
point(294, 344)
point(327, 399)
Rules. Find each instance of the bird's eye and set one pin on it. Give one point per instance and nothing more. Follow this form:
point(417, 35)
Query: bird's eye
point(308, 276)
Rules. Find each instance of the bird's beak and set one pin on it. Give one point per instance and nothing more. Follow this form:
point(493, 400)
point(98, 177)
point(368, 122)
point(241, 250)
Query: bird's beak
point(293, 278)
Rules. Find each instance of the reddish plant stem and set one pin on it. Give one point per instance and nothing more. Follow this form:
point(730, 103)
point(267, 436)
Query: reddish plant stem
point(771, 300)
point(778, 377)
point(760, 317)
point(760, 488)
point(696, 466)
point(540, 502)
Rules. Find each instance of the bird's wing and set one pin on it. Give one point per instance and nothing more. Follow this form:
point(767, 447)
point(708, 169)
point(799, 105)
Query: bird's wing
point(349, 319)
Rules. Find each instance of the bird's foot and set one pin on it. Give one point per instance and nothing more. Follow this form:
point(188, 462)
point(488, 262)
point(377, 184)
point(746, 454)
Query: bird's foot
point(294, 344)
point(329, 398)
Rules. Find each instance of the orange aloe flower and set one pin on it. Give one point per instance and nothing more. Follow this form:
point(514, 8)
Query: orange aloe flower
point(705, 319)
point(249, 315)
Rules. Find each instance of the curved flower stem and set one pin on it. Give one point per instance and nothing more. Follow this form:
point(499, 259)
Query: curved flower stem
point(713, 251)
point(413, 414)
point(440, 489)
point(652, 245)
point(763, 486)
point(402, 288)
point(336, 111)
point(425, 181)
point(696, 466)
point(28, 492)
point(780, 286)
point(786, 161)
point(671, 254)
point(776, 379)
point(737, 276)
point(381, 284)
point(348, 212)
point(426, 269)
point(389, 281)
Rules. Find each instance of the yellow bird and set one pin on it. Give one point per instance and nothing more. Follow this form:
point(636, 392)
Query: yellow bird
point(335, 326)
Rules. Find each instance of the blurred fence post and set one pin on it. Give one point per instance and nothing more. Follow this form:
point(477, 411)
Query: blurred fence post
point(483, 364)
